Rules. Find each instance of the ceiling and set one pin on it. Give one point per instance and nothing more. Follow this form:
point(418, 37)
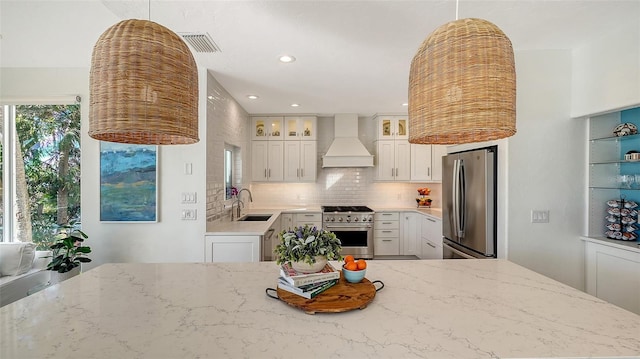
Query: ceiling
point(352, 56)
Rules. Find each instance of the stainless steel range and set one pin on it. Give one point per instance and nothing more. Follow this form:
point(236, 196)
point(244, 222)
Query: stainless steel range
point(353, 225)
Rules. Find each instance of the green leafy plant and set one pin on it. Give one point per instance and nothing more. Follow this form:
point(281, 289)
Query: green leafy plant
point(67, 248)
point(303, 244)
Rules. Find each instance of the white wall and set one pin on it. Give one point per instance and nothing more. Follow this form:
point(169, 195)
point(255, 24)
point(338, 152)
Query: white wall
point(169, 240)
point(547, 170)
point(606, 72)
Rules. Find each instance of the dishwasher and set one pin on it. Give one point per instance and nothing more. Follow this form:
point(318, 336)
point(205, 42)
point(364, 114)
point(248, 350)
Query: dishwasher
point(269, 241)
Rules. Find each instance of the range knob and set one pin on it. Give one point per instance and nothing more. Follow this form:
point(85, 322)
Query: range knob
point(348, 219)
point(340, 219)
point(355, 219)
point(333, 219)
point(370, 219)
point(327, 219)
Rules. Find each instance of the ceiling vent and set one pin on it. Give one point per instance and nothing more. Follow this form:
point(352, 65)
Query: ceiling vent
point(200, 42)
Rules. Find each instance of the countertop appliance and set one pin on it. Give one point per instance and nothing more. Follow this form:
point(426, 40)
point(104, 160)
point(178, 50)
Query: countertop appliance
point(469, 186)
point(353, 225)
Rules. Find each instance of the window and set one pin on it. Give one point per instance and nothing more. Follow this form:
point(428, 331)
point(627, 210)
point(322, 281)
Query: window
point(40, 156)
point(228, 173)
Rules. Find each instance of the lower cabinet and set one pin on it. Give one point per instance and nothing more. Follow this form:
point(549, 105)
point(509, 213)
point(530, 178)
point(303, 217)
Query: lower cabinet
point(386, 234)
point(232, 248)
point(431, 238)
point(411, 234)
point(613, 274)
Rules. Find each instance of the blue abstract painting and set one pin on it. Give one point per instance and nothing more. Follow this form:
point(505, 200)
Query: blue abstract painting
point(128, 182)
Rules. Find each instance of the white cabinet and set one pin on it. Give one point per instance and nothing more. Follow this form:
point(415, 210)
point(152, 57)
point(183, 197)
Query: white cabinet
point(392, 127)
point(386, 234)
point(411, 234)
point(311, 219)
point(232, 248)
point(426, 162)
point(300, 128)
point(613, 274)
point(267, 160)
point(394, 160)
point(286, 221)
point(300, 161)
point(431, 237)
point(267, 128)
point(291, 220)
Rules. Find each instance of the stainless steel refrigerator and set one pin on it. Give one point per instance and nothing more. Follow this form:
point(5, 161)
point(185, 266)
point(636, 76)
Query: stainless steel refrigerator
point(469, 204)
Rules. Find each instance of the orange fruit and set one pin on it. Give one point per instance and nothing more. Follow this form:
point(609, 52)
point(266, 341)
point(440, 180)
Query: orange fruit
point(362, 264)
point(348, 258)
point(351, 266)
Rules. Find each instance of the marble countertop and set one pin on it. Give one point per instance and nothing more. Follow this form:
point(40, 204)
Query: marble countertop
point(429, 309)
point(240, 228)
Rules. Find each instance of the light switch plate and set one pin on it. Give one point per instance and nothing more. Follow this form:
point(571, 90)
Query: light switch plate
point(189, 197)
point(539, 216)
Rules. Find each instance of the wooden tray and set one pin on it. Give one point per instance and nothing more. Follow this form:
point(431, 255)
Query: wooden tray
point(342, 297)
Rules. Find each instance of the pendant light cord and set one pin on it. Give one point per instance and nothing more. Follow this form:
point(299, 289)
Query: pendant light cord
point(149, 15)
point(457, 3)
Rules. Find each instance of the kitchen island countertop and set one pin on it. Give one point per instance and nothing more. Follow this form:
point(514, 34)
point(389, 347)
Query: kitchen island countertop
point(435, 309)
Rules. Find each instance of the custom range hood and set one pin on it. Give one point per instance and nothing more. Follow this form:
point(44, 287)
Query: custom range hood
point(346, 149)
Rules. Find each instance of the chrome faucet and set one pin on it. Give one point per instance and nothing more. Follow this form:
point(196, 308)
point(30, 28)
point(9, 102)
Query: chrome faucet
point(246, 189)
point(240, 204)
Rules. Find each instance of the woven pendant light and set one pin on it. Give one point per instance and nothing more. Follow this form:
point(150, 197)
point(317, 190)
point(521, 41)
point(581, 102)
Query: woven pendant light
point(143, 86)
point(462, 85)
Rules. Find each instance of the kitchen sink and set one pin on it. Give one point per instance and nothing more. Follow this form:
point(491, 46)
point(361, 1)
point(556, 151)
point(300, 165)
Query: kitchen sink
point(255, 218)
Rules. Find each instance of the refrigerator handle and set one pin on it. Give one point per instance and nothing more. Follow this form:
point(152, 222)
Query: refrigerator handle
point(463, 200)
point(454, 199)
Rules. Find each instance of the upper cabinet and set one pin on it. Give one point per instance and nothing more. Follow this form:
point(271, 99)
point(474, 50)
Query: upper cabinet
point(301, 128)
point(392, 127)
point(426, 162)
point(267, 128)
point(284, 149)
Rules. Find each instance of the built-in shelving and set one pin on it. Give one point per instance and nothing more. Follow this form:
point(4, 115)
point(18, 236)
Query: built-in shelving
point(606, 163)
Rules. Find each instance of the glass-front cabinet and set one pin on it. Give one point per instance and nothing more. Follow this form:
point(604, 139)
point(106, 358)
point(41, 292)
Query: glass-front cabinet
point(614, 175)
point(300, 128)
point(393, 127)
point(267, 128)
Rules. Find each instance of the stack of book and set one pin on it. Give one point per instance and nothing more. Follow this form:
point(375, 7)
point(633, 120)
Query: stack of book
point(307, 285)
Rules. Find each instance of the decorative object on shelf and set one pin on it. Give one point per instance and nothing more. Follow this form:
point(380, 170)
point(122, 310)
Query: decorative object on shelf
point(621, 220)
point(632, 156)
point(67, 249)
point(423, 200)
point(462, 85)
point(625, 129)
point(143, 86)
point(303, 247)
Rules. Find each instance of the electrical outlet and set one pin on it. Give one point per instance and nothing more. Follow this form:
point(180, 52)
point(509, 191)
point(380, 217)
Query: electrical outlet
point(189, 215)
point(538, 216)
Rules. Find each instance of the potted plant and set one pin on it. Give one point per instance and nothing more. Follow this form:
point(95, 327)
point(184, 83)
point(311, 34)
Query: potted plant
point(307, 249)
point(67, 249)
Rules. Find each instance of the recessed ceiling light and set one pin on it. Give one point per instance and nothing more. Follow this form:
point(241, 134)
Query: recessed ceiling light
point(287, 58)
point(295, 105)
point(405, 104)
point(252, 97)
point(210, 97)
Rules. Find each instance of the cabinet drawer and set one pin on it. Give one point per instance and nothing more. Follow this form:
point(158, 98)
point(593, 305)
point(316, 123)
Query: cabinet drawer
point(308, 217)
point(386, 224)
point(387, 233)
point(386, 246)
point(387, 216)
